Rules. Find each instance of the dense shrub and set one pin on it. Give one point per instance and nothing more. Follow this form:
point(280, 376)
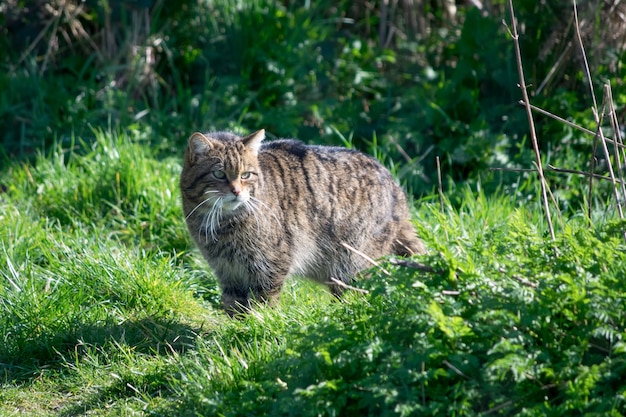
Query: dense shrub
point(408, 82)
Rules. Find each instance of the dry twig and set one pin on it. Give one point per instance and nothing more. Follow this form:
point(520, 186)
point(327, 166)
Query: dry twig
point(552, 168)
point(364, 256)
point(440, 186)
point(583, 173)
point(606, 104)
point(413, 265)
point(618, 146)
point(531, 123)
point(342, 284)
point(519, 279)
point(572, 124)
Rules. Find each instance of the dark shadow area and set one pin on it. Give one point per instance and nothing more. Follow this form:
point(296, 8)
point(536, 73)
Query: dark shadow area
point(150, 384)
point(153, 336)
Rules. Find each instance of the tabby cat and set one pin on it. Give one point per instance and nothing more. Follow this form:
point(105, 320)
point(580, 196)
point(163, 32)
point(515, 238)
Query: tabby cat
point(260, 211)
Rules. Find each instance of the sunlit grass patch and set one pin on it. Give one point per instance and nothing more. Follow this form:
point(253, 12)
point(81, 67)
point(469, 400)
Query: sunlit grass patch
point(106, 308)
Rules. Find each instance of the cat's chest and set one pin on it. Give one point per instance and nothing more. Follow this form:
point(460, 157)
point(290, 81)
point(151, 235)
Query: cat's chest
point(239, 260)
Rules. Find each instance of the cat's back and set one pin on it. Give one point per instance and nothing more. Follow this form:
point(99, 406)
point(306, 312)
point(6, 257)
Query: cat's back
point(318, 164)
point(342, 184)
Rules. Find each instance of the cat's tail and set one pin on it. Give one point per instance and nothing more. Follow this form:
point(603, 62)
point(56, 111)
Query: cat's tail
point(407, 243)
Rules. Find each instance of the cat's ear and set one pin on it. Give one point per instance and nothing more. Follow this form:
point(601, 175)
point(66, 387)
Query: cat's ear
point(253, 141)
point(199, 144)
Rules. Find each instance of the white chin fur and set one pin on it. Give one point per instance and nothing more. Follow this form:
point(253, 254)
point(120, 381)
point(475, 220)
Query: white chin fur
point(232, 204)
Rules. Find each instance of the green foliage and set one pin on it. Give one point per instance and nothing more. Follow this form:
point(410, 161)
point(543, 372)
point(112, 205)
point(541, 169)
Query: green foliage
point(508, 323)
point(319, 71)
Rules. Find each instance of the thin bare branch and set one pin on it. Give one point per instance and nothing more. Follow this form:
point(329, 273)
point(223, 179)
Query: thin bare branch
point(592, 170)
point(519, 279)
point(513, 169)
point(553, 71)
point(38, 38)
point(619, 201)
point(620, 156)
point(552, 168)
point(400, 149)
point(559, 118)
point(382, 28)
point(607, 155)
point(584, 56)
point(609, 165)
point(583, 173)
point(413, 265)
point(524, 281)
point(531, 123)
point(364, 256)
point(598, 116)
point(439, 185)
point(342, 284)
point(571, 124)
point(498, 407)
point(455, 369)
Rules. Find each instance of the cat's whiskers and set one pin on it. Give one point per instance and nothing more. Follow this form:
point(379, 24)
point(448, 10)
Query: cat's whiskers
point(201, 203)
point(254, 210)
point(212, 220)
point(256, 203)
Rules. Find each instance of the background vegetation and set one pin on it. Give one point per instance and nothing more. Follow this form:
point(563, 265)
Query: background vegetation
point(106, 309)
point(409, 80)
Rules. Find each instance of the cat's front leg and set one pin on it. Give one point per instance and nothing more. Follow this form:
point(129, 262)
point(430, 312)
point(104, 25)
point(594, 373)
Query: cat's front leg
point(238, 300)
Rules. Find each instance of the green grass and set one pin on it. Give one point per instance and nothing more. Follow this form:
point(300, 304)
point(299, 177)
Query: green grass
point(106, 309)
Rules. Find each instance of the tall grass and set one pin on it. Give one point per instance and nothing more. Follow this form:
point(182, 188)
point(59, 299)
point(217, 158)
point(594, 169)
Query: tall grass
point(105, 308)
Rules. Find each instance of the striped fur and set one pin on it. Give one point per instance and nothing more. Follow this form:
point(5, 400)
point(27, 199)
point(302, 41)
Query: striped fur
point(260, 211)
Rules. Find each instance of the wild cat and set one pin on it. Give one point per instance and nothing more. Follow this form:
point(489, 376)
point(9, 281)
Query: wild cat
point(261, 211)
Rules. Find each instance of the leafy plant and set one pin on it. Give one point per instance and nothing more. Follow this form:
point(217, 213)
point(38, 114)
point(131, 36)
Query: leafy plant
point(535, 331)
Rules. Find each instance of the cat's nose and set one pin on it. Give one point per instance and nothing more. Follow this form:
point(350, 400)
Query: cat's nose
point(235, 190)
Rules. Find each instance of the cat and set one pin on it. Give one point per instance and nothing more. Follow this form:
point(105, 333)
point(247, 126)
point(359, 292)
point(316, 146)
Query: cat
point(261, 211)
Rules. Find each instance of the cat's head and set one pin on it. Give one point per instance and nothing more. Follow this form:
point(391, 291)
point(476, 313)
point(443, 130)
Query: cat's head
point(220, 173)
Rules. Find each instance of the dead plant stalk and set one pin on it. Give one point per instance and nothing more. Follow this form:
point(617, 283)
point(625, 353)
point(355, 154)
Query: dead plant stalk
point(531, 123)
point(607, 108)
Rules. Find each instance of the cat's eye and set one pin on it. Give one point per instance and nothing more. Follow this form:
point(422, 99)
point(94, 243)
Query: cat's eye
point(219, 174)
point(245, 175)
